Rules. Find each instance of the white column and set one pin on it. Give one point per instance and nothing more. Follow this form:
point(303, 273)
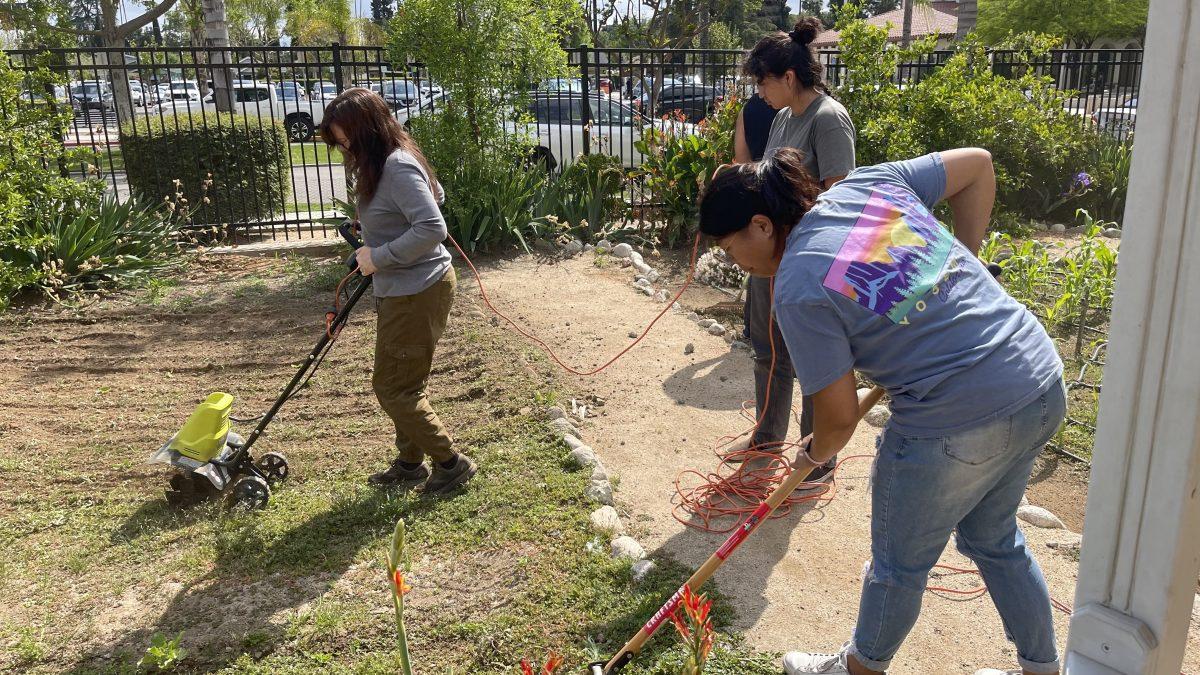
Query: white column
point(1141, 550)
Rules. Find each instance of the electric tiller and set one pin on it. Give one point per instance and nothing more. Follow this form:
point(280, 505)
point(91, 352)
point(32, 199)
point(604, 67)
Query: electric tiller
point(710, 566)
point(211, 458)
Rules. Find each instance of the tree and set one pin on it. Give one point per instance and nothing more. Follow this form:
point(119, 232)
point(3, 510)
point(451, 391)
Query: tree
point(1080, 22)
point(255, 22)
point(382, 11)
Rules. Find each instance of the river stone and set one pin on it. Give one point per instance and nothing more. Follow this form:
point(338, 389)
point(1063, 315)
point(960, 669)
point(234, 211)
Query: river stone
point(573, 442)
point(1039, 517)
point(627, 547)
point(599, 491)
point(606, 519)
point(1058, 227)
point(692, 316)
point(622, 250)
point(583, 456)
point(573, 248)
point(556, 413)
point(878, 416)
point(705, 323)
point(640, 569)
point(661, 295)
point(689, 348)
point(563, 428)
point(1112, 233)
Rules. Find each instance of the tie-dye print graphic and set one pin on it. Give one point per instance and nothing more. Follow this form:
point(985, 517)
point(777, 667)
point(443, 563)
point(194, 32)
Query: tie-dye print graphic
point(893, 256)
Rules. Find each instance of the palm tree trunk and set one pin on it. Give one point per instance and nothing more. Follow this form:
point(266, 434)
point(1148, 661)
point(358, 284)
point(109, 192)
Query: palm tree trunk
point(906, 34)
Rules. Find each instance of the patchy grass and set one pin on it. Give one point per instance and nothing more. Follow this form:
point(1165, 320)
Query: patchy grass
point(97, 565)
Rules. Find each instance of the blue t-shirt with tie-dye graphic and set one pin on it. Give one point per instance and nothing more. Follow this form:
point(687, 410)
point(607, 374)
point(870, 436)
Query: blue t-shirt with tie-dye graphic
point(871, 281)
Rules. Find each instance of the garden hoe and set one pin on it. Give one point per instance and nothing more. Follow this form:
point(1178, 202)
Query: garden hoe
point(211, 457)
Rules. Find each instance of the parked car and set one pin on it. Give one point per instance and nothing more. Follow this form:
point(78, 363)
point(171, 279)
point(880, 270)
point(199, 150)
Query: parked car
point(137, 95)
point(693, 100)
point(558, 130)
point(1118, 121)
point(291, 91)
point(92, 95)
point(324, 91)
point(184, 90)
point(642, 88)
point(400, 93)
point(300, 118)
point(561, 84)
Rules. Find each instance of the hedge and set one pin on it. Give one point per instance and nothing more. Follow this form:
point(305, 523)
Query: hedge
point(229, 168)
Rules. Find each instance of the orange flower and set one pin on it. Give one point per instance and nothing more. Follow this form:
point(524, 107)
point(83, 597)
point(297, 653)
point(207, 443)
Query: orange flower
point(526, 669)
point(554, 661)
point(399, 584)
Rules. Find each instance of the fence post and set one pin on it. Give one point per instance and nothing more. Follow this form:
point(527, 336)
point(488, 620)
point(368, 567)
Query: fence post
point(587, 100)
point(337, 65)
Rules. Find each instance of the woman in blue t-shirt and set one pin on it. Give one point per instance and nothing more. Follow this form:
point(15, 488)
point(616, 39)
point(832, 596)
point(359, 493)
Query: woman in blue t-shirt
point(865, 278)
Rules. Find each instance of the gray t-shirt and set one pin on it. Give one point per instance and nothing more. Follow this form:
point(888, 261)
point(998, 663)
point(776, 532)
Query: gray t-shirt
point(405, 229)
point(870, 280)
point(823, 132)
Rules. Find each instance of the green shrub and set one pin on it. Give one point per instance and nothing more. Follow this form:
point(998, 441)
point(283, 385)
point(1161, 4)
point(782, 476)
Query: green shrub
point(224, 168)
point(32, 187)
point(1109, 171)
point(678, 165)
point(586, 197)
point(1038, 146)
point(87, 247)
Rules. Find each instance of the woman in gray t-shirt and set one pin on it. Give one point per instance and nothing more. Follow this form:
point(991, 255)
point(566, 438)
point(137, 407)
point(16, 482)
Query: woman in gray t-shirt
point(789, 78)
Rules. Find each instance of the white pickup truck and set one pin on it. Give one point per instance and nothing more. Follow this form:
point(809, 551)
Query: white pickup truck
point(300, 117)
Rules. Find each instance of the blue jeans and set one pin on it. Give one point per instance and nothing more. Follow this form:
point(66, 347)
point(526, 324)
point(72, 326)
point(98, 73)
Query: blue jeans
point(970, 482)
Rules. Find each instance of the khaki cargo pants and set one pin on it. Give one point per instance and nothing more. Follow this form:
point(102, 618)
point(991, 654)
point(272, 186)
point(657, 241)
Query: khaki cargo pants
point(408, 330)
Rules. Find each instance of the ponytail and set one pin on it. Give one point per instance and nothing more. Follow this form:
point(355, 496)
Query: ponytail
point(778, 187)
point(780, 52)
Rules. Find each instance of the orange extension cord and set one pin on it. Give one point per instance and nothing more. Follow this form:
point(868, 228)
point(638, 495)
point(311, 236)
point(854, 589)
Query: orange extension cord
point(721, 498)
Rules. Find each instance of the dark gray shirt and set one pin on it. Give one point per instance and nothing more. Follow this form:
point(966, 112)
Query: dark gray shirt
point(404, 228)
point(823, 132)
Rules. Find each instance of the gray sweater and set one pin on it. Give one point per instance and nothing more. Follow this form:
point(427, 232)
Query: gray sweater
point(404, 228)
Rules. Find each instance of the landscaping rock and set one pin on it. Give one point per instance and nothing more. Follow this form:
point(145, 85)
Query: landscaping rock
point(599, 472)
point(1024, 500)
point(661, 295)
point(636, 258)
point(633, 333)
point(563, 427)
point(692, 316)
point(606, 519)
point(738, 344)
point(588, 248)
point(1039, 517)
point(1040, 226)
point(641, 282)
point(573, 442)
point(716, 329)
point(640, 569)
point(622, 250)
point(599, 491)
point(641, 267)
point(556, 413)
point(728, 335)
point(1112, 233)
point(1058, 227)
point(689, 348)
point(603, 245)
point(1068, 542)
point(652, 275)
point(573, 248)
point(648, 291)
point(583, 457)
point(878, 416)
point(627, 547)
point(705, 323)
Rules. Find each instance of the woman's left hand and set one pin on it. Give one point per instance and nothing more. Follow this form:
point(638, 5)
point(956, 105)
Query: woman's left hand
point(363, 255)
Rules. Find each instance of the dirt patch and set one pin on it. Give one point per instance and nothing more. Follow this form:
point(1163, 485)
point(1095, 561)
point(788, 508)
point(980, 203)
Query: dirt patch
point(799, 575)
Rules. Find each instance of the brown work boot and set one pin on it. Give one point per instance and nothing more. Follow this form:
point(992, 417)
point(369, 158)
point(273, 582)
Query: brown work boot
point(398, 477)
point(446, 480)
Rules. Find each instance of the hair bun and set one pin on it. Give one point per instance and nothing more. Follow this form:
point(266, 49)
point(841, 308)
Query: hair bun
point(806, 30)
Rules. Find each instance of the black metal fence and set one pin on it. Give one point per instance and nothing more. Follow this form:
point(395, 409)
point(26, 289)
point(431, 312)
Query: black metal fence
point(612, 98)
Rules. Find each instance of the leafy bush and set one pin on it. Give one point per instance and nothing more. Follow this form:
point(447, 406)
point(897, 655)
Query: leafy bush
point(1109, 167)
point(94, 246)
point(1077, 287)
point(229, 168)
point(586, 197)
point(32, 186)
point(1037, 145)
point(679, 164)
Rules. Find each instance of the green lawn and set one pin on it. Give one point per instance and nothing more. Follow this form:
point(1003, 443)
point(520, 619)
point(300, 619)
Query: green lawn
point(96, 565)
point(299, 154)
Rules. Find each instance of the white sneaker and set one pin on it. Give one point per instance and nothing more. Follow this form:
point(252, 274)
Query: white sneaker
point(795, 663)
point(995, 671)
